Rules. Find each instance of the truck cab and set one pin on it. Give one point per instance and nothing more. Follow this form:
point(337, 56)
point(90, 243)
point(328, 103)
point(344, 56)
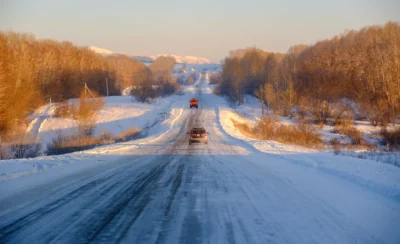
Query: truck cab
point(194, 103)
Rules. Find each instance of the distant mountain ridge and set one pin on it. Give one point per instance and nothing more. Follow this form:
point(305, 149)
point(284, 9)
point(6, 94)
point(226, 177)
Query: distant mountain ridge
point(101, 51)
point(187, 59)
point(150, 59)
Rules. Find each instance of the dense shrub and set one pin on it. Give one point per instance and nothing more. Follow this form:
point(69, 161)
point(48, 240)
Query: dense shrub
point(355, 136)
point(169, 88)
point(68, 144)
point(335, 143)
point(269, 129)
point(63, 110)
point(19, 144)
point(392, 138)
point(87, 106)
point(215, 78)
point(144, 93)
point(127, 135)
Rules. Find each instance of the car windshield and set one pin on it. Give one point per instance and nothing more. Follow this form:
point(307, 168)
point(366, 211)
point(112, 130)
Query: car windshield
point(198, 131)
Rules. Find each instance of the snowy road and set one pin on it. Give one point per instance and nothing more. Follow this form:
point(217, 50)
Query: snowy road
point(226, 192)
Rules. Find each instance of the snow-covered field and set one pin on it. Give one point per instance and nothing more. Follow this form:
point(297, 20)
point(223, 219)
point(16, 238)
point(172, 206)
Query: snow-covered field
point(250, 113)
point(160, 189)
point(119, 114)
point(251, 110)
point(366, 172)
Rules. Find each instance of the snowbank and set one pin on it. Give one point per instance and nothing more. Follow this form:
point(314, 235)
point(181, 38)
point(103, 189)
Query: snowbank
point(119, 114)
point(381, 178)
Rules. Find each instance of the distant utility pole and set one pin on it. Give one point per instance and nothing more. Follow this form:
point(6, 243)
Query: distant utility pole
point(120, 81)
point(51, 125)
point(107, 85)
point(163, 87)
point(50, 109)
point(87, 89)
point(254, 74)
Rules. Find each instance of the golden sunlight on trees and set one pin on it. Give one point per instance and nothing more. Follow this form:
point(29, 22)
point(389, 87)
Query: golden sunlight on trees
point(127, 71)
point(34, 71)
point(161, 69)
point(19, 87)
point(362, 66)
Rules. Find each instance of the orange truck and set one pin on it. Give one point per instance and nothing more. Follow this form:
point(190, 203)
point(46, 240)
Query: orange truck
point(194, 103)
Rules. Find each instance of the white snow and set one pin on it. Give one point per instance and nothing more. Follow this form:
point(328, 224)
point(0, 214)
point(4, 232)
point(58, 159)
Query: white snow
point(260, 190)
point(119, 114)
point(178, 59)
point(187, 59)
point(149, 59)
point(101, 51)
point(382, 178)
point(203, 63)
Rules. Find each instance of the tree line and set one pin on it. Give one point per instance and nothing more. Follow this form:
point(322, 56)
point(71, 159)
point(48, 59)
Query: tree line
point(34, 71)
point(361, 66)
point(157, 80)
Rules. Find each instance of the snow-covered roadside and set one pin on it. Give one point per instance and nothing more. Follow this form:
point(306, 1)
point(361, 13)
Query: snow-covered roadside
point(251, 110)
point(159, 122)
point(381, 178)
point(249, 113)
point(366, 192)
point(156, 120)
point(118, 114)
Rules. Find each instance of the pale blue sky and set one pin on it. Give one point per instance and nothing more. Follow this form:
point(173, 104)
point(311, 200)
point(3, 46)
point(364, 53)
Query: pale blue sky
point(199, 28)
